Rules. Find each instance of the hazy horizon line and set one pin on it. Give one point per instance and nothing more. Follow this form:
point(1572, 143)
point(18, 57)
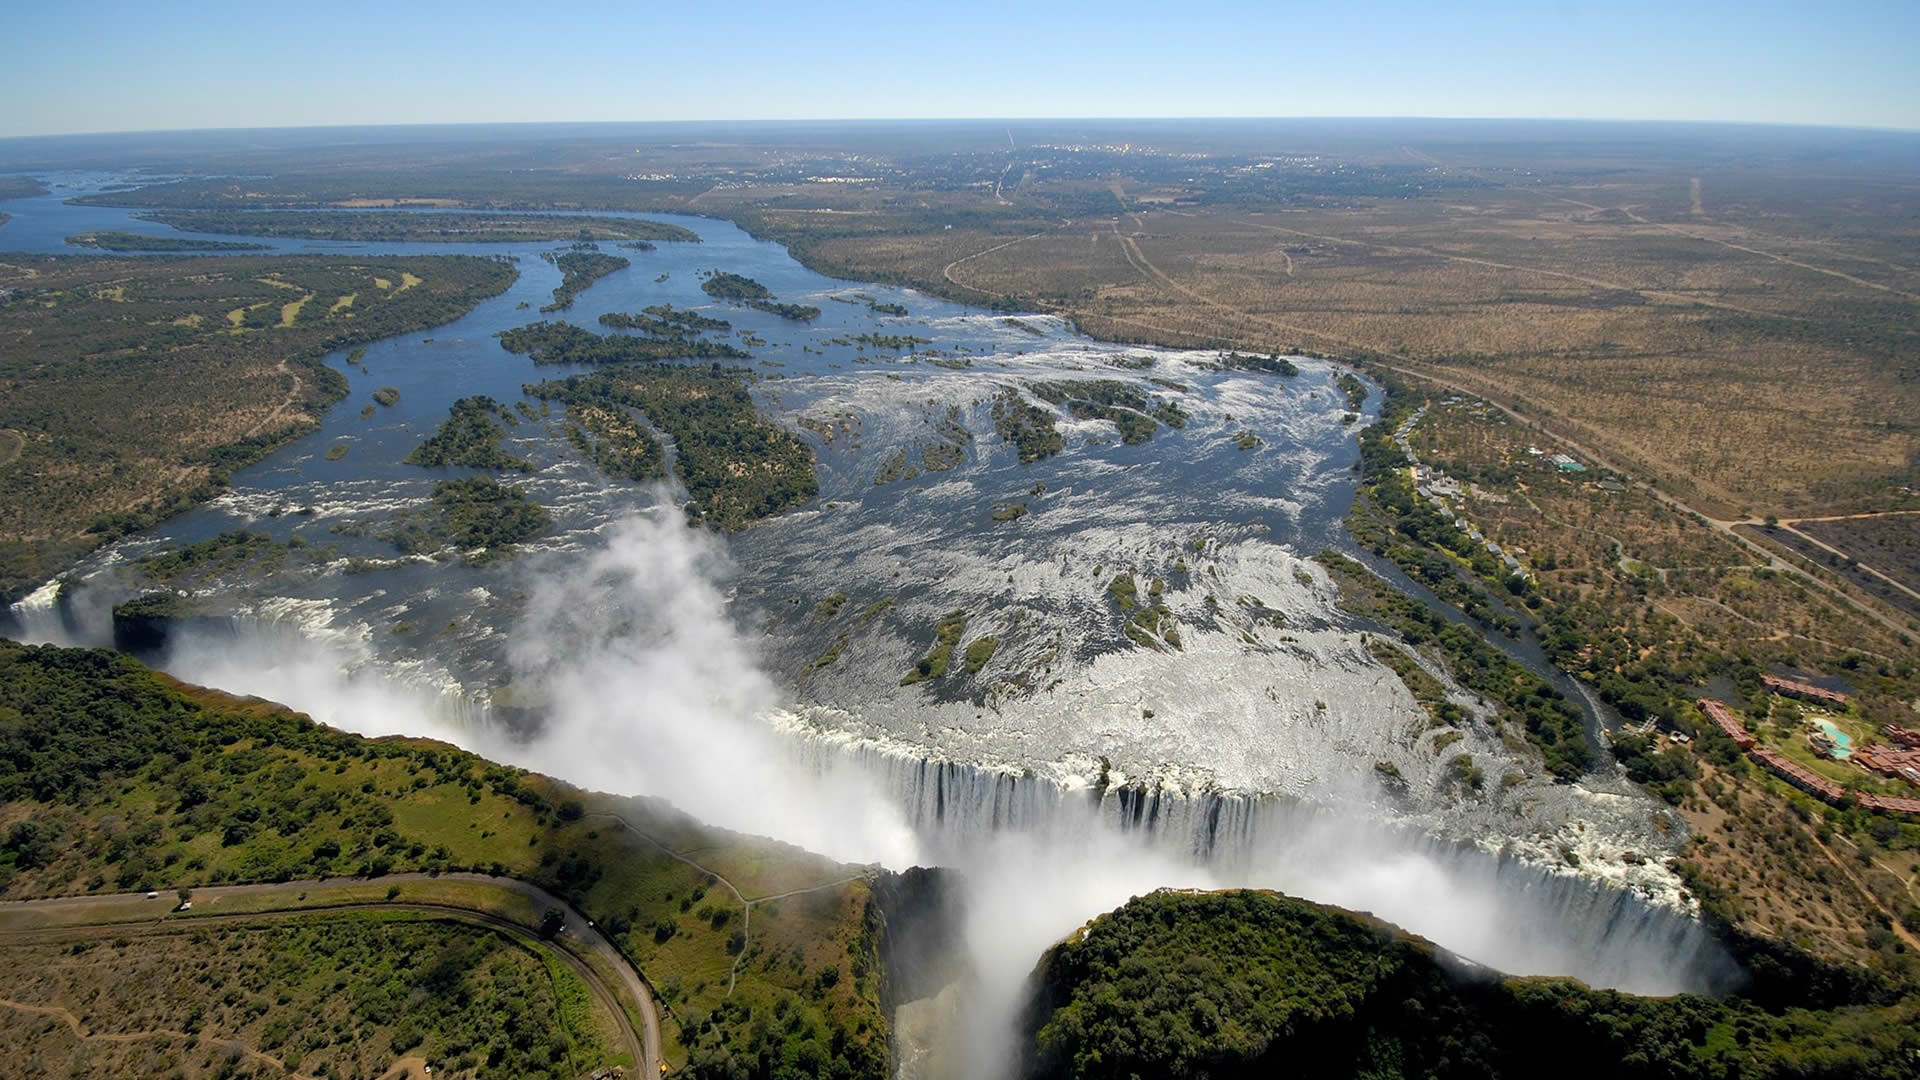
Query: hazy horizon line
point(871, 120)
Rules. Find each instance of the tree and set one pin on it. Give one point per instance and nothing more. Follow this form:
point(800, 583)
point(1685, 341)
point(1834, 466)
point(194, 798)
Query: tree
point(552, 922)
point(185, 894)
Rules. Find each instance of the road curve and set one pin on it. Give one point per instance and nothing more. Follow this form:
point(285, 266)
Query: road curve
point(647, 1046)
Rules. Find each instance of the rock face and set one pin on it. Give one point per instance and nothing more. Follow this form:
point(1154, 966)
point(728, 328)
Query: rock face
point(142, 627)
point(1247, 983)
point(921, 918)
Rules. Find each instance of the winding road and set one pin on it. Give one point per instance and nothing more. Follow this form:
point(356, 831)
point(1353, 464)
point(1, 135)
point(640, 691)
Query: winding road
point(50, 919)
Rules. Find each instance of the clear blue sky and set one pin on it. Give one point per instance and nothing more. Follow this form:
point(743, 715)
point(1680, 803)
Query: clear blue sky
point(114, 66)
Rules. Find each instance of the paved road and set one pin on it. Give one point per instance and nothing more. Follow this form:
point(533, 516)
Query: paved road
point(17, 918)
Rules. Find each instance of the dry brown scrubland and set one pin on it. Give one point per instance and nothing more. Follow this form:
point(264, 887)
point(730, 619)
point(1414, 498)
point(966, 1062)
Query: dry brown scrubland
point(1757, 358)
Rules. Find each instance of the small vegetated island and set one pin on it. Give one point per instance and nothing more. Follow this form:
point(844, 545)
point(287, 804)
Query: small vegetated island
point(471, 436)
point(113, 240)
point(1129, 409)
point(150, 380)
point(476, 514)
point(411, 227)
point(115, 779)
point(735, 465)
point(744, 290)
point(665, 321)
point(564, 343)
point(579, 269)
point(1246, 983)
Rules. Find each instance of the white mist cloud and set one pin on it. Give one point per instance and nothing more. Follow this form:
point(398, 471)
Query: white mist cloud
point(649, 688)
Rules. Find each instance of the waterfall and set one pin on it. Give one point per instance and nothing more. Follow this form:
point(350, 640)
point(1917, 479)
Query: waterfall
point(1489, 906)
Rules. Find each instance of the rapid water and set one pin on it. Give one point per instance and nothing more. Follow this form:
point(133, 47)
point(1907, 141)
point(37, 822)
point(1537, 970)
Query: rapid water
point(1248, 753)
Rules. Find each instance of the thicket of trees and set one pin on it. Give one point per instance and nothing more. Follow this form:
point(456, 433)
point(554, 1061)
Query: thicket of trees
point(736, 466)
point(470, 436)
point(564, 343)
point(1246, 984)
point(579, 269)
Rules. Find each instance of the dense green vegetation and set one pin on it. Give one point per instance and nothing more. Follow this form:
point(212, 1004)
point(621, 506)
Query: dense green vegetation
point(1356, 391)
point(724, 286)
point(481, 513)
point(946, 635)
point(744, 290)
point(470, 436)
point(687, 318)
point(578, 270)
point(1027, 426)
point(616, 443)
point(735, 466)
point(564, 343)
point(1555, 725)
point(1247, 983)
point(401, 226)
point(212, 557)
point(1271, 365)
point(152, 379)
point(1392, 521)
point(116, 778)
point(794, 312)
point(664, 320)
point(115, 240)
point(979, 651)
point(476, 514)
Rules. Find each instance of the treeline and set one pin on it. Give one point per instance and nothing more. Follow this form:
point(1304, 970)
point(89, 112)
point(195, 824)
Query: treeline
point(792, 312)
point(564, 343)
point(665, 320)
point(415, 227)
point(1270, 365)
point(1252, 984)
point(1555, 725)
point(724, 286)
point(476, 514)
point(744, 290)
point(114, 240)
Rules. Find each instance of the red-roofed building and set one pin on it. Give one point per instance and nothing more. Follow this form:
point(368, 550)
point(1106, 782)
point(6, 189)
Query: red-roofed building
point(1807, 691)
point(1724, 718)
point(1806, 779)
point(1903, 736)
point(1799, 775)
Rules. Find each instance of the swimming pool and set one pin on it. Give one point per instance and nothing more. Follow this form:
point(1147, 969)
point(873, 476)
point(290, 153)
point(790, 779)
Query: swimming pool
point(1842, 742)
